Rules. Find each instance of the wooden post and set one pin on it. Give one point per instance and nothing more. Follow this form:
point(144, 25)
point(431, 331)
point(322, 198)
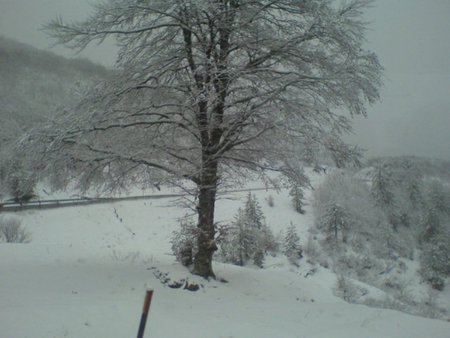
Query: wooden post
point(145, 309)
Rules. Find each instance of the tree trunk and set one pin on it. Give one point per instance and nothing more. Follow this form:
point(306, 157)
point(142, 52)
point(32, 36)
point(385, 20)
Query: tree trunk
point(205, 209)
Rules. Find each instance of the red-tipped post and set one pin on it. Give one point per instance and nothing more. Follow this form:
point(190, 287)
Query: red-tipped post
point(145, 309)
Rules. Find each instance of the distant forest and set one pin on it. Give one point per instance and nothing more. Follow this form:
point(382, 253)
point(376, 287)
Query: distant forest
point(34, 84)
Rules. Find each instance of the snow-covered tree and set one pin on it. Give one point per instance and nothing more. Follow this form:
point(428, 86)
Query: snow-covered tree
point(436, 210)
point(291, 245)
point(297, 195)
point(252, 213)
point(412, 181)
point(431, 224)
point(383, 185)
point(240, 243)
point(438, 197)
point(435, 259)
point(334, 222)
point(249, 238)
point(35, 83)
point(208, 91)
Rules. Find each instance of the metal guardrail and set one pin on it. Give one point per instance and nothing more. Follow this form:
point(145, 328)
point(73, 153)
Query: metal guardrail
point(50, 204)
point(69, 202)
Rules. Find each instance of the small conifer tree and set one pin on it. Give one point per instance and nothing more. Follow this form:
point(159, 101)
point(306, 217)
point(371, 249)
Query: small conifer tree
point(296, 192)
point(382, 184)
point(291, 245)
point(252, 212)
point(249, 238)
point(435, 260)
point(334, 222)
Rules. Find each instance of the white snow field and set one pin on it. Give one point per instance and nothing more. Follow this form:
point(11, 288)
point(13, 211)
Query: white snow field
point(86, 270)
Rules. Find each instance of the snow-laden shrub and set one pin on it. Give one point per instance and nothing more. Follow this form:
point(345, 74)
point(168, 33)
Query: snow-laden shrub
point(429, 307)
point(18, 182)
point(426, 306)
point(184, 241)
point(348, 291)
point(270, 201)
point(11, 231)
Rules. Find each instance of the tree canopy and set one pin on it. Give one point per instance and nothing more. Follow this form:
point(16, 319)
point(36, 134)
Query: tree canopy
point(208, 91)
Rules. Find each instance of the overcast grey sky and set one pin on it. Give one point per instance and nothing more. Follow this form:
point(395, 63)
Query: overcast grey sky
point(411, 37)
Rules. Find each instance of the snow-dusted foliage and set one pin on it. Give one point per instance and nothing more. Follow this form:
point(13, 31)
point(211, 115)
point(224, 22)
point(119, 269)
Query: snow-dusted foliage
point(372, 224)
point(208, 91)
point(334, 223)
point(184, 241)
point(270, 201)
point(296, 192)
point(435, 260)
point(355, 232)
point(252, 215)
point(12, 231)
point(34, 84)
point(248, 238)
point(434, 235)
point(291, 245)
point(347, 290)
point(382, 185)
point(16, 181)
point(344, 210)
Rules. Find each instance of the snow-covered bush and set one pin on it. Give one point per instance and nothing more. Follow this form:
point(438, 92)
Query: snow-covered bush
point(18, 183)
point(270, 201)
point(347, 290)
point(425, 307)
point(429, 307)
point(11, 231)
point(248, 238)
point(184, 241)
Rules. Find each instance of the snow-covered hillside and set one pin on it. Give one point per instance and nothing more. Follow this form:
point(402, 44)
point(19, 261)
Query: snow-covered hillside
point(35, 83)
point(85, 272)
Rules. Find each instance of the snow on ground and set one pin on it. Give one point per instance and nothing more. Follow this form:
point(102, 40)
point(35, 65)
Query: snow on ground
point(86, 270)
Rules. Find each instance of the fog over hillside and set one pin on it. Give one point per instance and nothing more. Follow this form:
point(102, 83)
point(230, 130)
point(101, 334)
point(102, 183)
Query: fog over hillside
point(34, 84)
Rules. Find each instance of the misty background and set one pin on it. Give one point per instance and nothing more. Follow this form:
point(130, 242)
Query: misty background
point(411, 38)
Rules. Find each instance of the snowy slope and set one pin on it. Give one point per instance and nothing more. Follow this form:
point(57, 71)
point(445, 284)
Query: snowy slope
point(86, 270)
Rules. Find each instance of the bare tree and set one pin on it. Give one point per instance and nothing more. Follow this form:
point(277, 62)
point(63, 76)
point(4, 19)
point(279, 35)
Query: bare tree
point(210, 91)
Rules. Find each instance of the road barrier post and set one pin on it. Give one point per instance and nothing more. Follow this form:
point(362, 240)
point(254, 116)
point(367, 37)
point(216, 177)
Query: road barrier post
point(145, 310)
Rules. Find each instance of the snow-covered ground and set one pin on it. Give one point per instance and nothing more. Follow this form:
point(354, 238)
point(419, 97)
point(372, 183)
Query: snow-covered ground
point(85, 272)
